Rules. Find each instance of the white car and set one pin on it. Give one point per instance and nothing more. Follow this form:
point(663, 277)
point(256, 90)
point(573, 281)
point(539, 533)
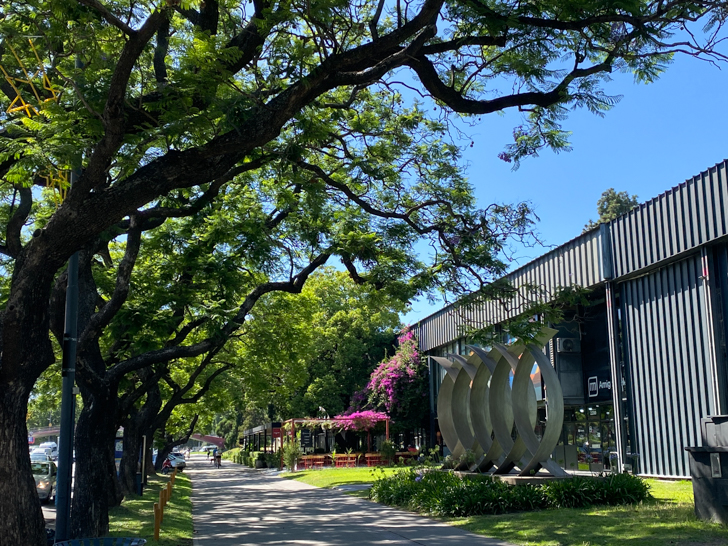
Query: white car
point(41, 454)
point(177, 461)
point(45, 479)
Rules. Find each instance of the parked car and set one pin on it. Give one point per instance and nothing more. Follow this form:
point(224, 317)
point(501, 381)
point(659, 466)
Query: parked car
point(177, 460)
point(40, 454)
point(52, 446)
point(45, 479)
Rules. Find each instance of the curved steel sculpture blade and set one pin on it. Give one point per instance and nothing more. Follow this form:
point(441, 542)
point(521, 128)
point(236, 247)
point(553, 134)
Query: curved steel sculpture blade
point(461, 407)
point(541, 450)
point(444, 407)
point(501, 404)
point(480, 410)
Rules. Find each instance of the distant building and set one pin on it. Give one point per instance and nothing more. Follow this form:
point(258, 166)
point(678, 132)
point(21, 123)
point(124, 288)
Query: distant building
point(647, 360)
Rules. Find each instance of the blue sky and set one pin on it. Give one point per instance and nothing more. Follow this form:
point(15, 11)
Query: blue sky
point(658, 136)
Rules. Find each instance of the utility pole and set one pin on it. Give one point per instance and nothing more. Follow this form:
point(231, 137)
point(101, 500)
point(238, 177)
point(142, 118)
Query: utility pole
point(68, 399)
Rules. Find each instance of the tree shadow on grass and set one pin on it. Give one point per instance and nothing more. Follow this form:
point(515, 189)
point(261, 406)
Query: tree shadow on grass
point(652, 524)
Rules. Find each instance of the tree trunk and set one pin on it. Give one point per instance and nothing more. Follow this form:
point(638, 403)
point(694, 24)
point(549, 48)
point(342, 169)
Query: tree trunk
point(130, 460)
point(137, 424)
point(96, 486)
point(21, 519)
point(151, 471)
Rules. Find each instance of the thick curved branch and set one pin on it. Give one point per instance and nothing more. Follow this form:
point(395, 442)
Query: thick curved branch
point(114, 109)
point(216, 342)
point(206, 198)
point(354, 274)
point(430, 79)
point(121, 291)
point(186, 330)
point(127, 401)
point(375, 20)
point(110, 17)
point(454, 45)
point(13, 245)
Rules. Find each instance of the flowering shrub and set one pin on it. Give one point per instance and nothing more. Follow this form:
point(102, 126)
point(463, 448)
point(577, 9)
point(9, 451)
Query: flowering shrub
point(359, 420)
point(397, 386)
point(392, 376)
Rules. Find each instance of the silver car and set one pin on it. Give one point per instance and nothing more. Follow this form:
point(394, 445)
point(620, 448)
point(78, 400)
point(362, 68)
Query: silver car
point(177, 460)
point(45, 479)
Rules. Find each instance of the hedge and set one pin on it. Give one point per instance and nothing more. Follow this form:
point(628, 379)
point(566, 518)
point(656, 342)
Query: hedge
point(248, 458)
point(446, 494)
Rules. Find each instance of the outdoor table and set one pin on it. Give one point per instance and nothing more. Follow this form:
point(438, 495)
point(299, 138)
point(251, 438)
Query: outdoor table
point(374, 459)
point(345, 460)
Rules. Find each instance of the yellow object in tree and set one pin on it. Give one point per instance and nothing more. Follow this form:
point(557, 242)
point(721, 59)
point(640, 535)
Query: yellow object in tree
point(58, 181)
point(19, 104)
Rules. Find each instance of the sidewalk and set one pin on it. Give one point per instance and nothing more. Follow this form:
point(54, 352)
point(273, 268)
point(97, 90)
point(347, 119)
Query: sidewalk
point(235, 505)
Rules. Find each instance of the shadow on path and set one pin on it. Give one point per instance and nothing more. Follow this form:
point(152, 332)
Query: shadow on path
point(235, 505)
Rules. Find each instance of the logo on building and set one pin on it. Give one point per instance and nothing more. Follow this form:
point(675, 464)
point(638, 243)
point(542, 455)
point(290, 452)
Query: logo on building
point(593, 386)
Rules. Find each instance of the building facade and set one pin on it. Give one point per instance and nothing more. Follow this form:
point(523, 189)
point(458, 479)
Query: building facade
point(646, 359)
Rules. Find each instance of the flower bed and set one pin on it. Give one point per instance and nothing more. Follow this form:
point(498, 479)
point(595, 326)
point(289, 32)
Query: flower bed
point(446, 494)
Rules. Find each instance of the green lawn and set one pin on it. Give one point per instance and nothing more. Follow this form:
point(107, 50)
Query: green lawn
point(669, 520)
point(135, 516)
point(332, 477)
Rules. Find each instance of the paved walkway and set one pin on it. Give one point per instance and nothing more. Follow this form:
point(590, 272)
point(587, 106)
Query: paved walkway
point(235, 505)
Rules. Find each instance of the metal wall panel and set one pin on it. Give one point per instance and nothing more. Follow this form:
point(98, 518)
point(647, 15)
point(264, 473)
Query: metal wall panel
point(665, 337)
point(680, 220)
point(578, 262)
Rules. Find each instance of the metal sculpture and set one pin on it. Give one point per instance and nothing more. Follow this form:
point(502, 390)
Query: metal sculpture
point(478, 407)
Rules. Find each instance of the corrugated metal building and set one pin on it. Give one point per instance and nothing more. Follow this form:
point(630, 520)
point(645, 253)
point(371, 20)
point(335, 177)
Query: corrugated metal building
point(650, 361)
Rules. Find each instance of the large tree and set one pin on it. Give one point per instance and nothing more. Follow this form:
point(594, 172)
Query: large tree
point(177, 102)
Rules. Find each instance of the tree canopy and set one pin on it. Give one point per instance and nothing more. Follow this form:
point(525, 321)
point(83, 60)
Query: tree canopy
point(612, 204)
point(255, 142)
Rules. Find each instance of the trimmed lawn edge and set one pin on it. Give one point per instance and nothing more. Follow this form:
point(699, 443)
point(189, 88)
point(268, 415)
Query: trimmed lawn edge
point(135, 516)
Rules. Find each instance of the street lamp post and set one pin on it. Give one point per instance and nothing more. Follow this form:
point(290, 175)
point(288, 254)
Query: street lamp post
point(68, 401)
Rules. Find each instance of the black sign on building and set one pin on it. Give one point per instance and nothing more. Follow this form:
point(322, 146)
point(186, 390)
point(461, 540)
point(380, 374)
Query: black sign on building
point(306, 438)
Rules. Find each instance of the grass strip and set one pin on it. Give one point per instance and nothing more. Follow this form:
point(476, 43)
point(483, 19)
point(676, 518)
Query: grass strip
point(135, 516)
point(668, 520)
point(329, 478)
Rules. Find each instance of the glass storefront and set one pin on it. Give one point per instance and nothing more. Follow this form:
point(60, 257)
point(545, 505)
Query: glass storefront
point(588, 440)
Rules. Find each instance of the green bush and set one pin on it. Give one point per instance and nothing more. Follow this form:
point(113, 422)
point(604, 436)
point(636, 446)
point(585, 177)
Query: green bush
point(446, 494)
point(273, 460)
point(388, 450)
point(233, 455)
point(291, 454)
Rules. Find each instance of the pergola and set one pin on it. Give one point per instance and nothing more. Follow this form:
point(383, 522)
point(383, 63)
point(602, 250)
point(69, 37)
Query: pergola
point(290, 425)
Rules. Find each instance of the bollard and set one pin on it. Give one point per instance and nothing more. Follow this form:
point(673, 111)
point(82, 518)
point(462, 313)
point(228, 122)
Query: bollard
point(157, 520)
point(161, 506)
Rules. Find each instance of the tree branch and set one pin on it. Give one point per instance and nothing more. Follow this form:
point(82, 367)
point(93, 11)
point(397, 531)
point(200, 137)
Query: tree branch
point(121, 291)
point(110, 17)
point(217, 341)
point(13, 246)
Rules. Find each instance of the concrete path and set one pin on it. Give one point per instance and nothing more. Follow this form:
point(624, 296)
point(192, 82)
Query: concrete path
point(235, 505)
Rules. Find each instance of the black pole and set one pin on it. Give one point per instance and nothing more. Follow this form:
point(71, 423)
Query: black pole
point(68, 402)
point(65, 449)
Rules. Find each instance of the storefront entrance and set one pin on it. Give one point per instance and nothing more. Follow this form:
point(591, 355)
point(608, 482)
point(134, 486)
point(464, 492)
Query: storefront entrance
point(587, 441)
